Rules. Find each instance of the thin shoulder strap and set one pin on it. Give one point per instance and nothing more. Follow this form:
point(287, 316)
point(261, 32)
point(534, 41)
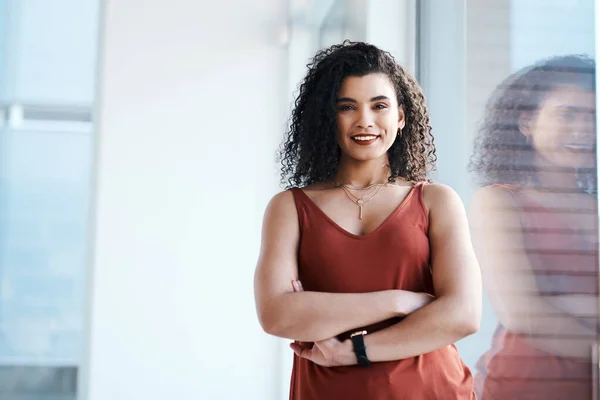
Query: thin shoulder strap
point(300, 201)
point(419, 189)
point(511, 188)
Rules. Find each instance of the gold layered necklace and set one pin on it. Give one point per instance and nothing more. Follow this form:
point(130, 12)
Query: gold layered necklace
point(372, 191)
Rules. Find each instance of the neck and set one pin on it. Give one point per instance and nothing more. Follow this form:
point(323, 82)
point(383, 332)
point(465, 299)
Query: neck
point(362, 173)
point(560, 180)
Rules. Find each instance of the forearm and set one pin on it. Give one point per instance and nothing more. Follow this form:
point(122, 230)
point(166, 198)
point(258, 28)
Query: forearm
point(564, 347)
point(583, 307)
point(442, 322)
point(566, 328)
point(313, 316)
point(543, 316)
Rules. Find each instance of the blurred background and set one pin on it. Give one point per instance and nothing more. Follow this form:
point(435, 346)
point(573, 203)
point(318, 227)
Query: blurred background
point(137, 155)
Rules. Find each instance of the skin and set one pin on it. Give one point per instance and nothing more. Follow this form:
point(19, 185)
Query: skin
point(566, 116)
point(368, 105)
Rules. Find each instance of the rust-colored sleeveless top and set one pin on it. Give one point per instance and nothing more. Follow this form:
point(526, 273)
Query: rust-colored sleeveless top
point(394, 256)
point(563, 262)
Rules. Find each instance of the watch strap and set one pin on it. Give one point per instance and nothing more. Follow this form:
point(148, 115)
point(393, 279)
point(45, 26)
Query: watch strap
point(360, 350)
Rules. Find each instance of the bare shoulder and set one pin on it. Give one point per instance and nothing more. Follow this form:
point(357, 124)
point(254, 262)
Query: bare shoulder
point(281, 205)
point(491, 198)
point(438, 196)
point(494, 207)
point(280, 225)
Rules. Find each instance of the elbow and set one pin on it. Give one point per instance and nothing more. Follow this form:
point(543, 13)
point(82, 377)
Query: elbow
point(469, 321)
point(470, 326)
point(274, 329)
point(464, 316)
point(277, 318)
point(464, 328)
point(274, 322)
point(269, 321)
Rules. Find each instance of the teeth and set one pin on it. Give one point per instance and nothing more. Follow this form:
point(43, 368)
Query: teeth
point(579, 146)
point(364, 137)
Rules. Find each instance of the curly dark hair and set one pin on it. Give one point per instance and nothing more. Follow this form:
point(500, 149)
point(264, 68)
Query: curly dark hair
point(502, 154)
point(310, 153)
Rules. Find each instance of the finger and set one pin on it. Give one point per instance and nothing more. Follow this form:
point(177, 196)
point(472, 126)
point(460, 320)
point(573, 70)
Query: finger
point(297, 285)
point(297, 349)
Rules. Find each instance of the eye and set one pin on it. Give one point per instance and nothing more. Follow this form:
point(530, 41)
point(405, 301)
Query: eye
point(567, 115)
point(346, 107)
point(381, 106)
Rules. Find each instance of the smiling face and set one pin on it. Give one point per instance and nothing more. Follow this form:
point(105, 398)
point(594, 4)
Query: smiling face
point(563, 130)
point(368, 117)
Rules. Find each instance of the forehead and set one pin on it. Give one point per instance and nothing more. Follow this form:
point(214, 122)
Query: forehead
point(367, 86)
point(571, 96)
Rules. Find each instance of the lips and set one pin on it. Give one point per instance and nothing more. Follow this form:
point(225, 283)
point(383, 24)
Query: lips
point(365, 139)
point(579, 147)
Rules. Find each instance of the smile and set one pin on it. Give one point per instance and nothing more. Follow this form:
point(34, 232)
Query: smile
point(365, 138)
point(579, 146)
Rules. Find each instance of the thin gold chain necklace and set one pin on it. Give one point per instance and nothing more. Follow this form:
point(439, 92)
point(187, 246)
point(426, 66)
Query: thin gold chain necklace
point(361, 201)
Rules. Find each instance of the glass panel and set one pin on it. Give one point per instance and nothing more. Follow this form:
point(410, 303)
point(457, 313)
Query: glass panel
point(539, 323)
point(47, 69)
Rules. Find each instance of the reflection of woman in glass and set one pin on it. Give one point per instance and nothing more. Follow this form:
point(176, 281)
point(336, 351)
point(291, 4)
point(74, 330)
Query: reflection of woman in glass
point(535, 231)
point(370, 241)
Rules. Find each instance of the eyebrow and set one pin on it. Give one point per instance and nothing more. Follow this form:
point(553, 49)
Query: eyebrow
point(350, 100)
point(575, 108)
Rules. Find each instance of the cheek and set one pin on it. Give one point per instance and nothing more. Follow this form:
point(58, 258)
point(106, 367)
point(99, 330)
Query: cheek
point(345, 123)
point(392, 128)
point(390, 120)
point(547, 133)
point(546, 143)
point(342, 124)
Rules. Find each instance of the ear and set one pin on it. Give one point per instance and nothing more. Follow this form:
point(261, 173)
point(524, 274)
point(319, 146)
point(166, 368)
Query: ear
point(524, 123)
point(401, 116)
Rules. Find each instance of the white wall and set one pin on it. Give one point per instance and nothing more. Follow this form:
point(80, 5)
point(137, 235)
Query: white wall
point(189, 119)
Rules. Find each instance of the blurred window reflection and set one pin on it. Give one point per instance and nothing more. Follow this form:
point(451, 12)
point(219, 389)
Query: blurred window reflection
point(466, 49)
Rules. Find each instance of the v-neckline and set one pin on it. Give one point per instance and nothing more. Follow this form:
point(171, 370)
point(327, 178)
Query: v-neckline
point(350, 234)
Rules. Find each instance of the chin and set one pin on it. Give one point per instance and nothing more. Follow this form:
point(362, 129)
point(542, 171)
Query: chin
point(577, 163)
point(366, 155)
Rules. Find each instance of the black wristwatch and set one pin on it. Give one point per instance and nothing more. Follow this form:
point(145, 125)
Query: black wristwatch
point(360, 349)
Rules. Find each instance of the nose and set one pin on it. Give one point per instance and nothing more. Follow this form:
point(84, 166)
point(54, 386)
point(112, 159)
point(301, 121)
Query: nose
point(365, 118)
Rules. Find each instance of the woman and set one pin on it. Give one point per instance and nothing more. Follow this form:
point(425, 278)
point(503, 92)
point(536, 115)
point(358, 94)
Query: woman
point(534, 221)
point(371, 242)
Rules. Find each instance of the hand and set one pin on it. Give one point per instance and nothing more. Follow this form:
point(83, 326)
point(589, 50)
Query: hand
point(327, 353)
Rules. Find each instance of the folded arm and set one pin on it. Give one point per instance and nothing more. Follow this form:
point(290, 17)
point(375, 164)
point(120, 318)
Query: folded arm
point(550, 323)
point(456, 310)
point(311, 316)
